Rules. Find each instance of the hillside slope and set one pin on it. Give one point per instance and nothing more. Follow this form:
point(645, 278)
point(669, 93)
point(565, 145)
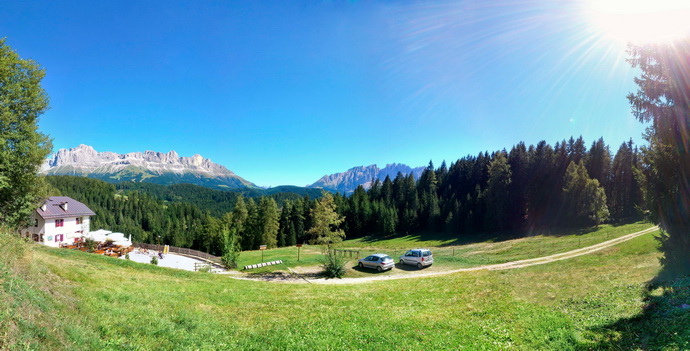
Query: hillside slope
point(594, 301)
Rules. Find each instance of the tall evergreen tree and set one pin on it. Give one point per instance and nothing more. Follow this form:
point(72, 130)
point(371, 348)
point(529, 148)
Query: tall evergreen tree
point(625, 188)
point(268, 222)
point(496, 195)
point(662, 98)
point(598, 163)
point(326, 223)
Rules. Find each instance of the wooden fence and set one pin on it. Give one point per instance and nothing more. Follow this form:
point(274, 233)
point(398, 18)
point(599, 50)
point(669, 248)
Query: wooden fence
point(348, 253)
point(181, 250)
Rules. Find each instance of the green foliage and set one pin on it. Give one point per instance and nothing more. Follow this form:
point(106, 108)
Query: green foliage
point(662, 98)
point(325, 228)
point(585, 200)
point(231, 248)
point(626, 189)
point(333, 265)
point(22, 147)
point(267, 222)
point(497, 193)
point(216, 202)
point(90, 245)
point(154, 260)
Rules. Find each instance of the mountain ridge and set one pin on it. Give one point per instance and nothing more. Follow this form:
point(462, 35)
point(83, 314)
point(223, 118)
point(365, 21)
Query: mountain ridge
point(148, 166)
point(348, 181)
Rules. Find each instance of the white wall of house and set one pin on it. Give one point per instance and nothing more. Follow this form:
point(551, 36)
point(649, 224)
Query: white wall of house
point(50, 234)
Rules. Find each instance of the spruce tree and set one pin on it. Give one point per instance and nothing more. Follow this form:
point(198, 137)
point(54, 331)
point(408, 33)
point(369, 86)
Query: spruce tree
point(497, 193)
point(663, 98)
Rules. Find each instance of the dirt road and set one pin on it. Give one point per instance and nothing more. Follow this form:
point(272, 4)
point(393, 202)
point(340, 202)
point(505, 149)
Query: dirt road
point(296, 278)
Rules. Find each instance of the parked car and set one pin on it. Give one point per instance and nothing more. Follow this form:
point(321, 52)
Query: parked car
point(379, 262)
point(417, 257)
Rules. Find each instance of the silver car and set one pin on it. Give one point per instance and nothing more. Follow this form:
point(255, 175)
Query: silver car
point(379, 262)
point(417, 257)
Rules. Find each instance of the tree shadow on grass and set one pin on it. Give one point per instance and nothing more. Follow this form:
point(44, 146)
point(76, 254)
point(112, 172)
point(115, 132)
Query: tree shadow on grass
point(409, 268)
point(366, 270)
point(452, 239)
point(664, 323)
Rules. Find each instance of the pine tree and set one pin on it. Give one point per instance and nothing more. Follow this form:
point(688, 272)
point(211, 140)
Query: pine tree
point(268, 222)
point(326, 229)
point(496, 195)
point(662, 98)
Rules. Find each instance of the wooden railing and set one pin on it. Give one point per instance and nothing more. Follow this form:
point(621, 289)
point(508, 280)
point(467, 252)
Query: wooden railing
point(348, 253)
point(180, 250)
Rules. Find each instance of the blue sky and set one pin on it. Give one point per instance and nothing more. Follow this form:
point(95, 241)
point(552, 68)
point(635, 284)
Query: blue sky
point(283, 92)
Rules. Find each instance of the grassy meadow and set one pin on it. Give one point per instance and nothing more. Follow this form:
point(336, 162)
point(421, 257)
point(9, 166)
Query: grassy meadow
point(449, 251)
point(61, 299)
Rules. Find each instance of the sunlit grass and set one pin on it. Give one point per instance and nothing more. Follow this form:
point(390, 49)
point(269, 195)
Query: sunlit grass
point(589, 301)
point(449, 254)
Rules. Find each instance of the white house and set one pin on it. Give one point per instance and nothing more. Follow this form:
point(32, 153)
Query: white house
point(60, 220)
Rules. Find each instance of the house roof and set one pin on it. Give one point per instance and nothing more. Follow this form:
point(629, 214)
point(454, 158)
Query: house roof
point(62, 207)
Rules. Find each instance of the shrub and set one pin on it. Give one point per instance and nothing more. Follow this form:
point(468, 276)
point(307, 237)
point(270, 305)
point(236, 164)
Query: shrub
point(229, 259)
point(90, 245)
point(333, 265)
point(154, 260)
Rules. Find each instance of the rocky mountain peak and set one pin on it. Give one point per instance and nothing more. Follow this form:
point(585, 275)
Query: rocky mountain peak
point(363, 175)
point(86, 161)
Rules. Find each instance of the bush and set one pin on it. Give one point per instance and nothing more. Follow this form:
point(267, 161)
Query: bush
point(333, 265)
point(231, 249)
point(154, 260)
point(229, 259)
point(127, 256)
point(90, 245)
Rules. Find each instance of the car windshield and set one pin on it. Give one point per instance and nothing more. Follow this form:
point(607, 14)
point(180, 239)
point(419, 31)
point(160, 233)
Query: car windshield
point(387, 258)
point(427, 253)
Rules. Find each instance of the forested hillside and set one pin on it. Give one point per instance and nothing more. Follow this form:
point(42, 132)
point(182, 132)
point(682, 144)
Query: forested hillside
point(182, 222)
point(217, 202)
point(527, 190)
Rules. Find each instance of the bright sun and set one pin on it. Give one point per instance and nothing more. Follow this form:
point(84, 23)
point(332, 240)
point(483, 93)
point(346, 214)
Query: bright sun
point(641, 21)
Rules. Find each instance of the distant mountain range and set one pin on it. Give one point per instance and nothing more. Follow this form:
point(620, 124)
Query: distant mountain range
point(147, 166)
point(170, 168)
point(348, 181)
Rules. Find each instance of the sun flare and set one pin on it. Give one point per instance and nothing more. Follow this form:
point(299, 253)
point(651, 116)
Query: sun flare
point(641, 21)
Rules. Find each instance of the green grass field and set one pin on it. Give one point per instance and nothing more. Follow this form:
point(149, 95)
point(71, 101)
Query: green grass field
point(449, 252)
point(60, 299)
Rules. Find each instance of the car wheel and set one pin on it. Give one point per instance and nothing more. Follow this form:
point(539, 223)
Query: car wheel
point(379, 268)
point(419, 265)
point(402, 262)
point(361, 265)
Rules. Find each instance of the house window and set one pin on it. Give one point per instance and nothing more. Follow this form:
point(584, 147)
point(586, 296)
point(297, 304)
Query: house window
point(59, 223)
point(79, 220)
point(35, 222)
